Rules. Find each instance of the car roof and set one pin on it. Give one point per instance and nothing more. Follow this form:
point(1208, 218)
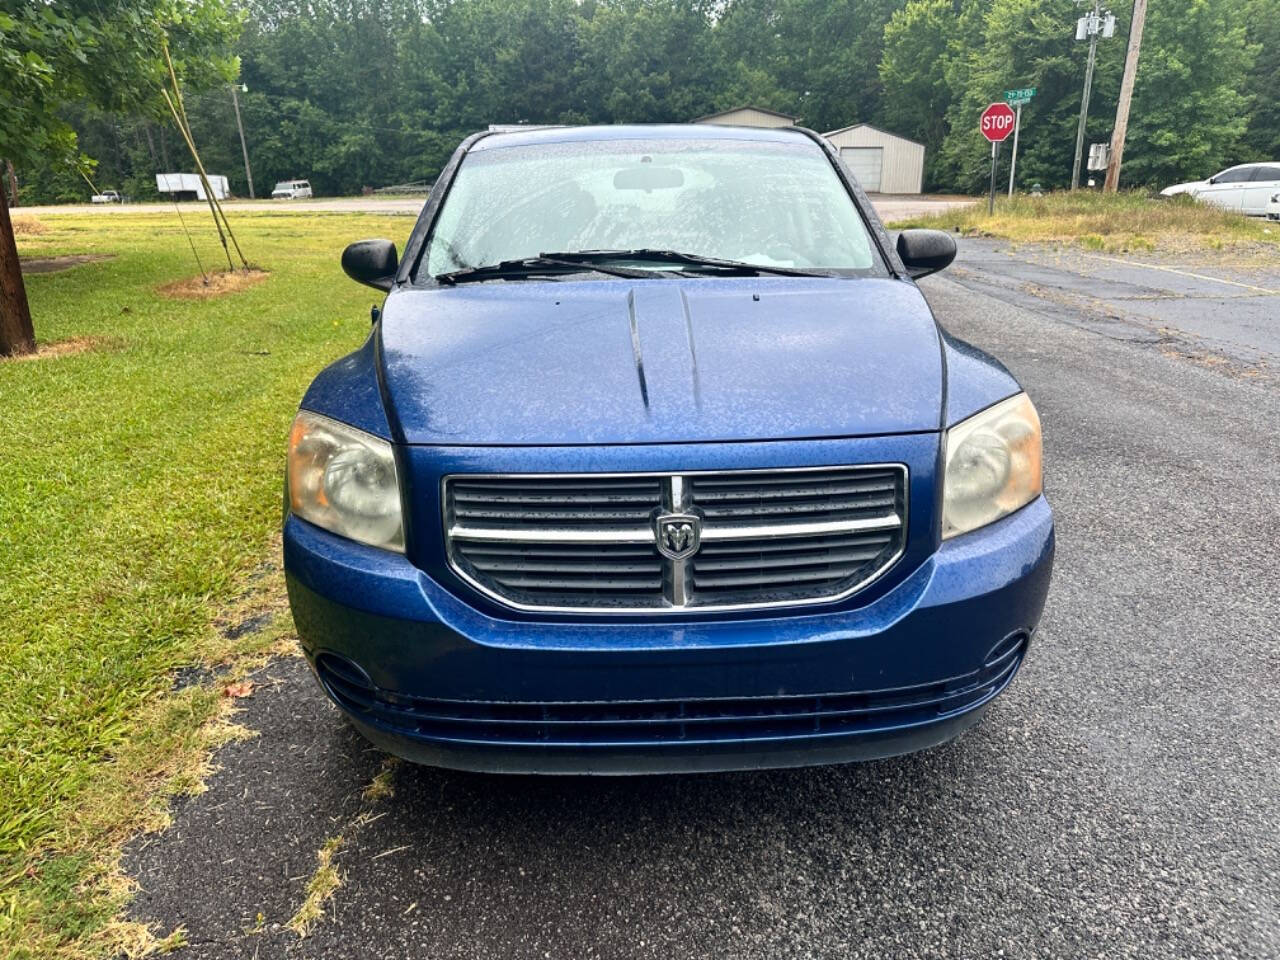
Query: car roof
point(667, 131)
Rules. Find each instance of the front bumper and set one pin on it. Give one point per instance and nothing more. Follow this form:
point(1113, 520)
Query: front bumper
point(431, 678)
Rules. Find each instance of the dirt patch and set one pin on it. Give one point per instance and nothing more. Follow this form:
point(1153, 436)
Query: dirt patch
point(28, 227)
point(66, 348)
point(217, 284)
point(58, 264)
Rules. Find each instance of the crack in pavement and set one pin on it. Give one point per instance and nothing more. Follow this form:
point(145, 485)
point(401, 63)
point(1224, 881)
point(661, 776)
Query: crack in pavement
point(247, 846)
point(1236, 333)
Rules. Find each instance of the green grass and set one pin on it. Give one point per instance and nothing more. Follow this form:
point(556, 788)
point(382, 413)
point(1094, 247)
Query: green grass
point(139, 492)
point(1117, 223)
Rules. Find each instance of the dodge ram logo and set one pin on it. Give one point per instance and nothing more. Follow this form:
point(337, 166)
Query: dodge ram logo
point(678, 535)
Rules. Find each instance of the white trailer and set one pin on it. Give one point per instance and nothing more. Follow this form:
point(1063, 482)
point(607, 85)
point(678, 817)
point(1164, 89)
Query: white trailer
point(187, 186)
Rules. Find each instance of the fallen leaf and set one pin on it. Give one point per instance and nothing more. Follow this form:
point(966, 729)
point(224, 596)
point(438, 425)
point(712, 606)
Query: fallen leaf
point(241, 688)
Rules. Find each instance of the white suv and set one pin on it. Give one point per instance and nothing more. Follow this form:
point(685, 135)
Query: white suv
point(292, 190)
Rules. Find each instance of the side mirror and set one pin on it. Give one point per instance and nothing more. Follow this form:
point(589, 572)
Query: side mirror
point(1213, 180)
point(925, 251)
point(371, 262)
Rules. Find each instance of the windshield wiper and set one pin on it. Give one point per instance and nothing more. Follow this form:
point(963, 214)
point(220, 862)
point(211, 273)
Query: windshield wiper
point(648, 255)
point(534, 266)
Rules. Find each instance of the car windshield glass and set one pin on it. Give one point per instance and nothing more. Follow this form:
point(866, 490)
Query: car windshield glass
point(763, 202)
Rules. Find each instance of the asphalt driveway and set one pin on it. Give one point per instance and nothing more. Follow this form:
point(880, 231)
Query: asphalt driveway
point(1120, 799)
point(1214, 309)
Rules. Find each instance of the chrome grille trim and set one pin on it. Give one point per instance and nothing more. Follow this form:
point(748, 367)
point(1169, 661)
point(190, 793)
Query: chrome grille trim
point(888, 521)
point(554, 534)
point(614, 563)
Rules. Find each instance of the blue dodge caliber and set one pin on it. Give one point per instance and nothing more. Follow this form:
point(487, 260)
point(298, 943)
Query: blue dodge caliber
point(656, 460)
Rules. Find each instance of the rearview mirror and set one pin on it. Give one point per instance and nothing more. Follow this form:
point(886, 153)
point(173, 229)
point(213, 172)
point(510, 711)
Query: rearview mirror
point(371, 262)
point(925, 251)
point(648, 178)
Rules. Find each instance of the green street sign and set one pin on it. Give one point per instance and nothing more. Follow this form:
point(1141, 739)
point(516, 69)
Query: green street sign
point(1017, 97)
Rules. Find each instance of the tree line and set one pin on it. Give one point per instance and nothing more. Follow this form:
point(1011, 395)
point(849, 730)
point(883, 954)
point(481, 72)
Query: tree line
point(363, 93)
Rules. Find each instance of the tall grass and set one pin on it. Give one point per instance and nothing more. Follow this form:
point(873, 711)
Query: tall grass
point(1119, 222)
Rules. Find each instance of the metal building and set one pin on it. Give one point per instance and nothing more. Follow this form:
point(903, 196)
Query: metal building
point(883, 162)
point(749, 117)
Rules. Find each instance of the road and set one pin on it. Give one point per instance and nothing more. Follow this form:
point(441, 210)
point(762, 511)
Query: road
point(1119, 800)
point(889, 207)
point(1213, 309)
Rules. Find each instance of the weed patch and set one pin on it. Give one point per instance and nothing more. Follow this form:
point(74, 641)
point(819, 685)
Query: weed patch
point(326, 879)
point(1113, 223)
point(27, 226)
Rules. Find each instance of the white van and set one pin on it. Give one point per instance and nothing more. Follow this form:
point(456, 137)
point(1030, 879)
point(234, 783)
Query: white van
point(292, 190)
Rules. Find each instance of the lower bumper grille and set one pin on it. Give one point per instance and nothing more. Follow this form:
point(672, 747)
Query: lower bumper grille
point(666, 721)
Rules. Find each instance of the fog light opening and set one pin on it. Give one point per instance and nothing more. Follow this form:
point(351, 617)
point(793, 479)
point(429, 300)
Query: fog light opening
point(345, 682)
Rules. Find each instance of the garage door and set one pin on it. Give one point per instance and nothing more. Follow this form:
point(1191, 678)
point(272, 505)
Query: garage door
point(866, 163)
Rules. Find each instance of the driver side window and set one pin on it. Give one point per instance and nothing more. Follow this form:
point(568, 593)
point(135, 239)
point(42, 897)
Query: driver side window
point(1238, 175)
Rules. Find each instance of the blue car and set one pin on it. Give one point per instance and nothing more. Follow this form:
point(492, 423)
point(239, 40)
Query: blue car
point(656, 460)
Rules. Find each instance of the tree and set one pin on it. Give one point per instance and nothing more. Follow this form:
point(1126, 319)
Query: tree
point(646, 61)
point(924, 70)
point(1030, 43)
point(1189, 108)
point(106, 52)
point(355, 93)
point(1263, 136)
point(824, 55)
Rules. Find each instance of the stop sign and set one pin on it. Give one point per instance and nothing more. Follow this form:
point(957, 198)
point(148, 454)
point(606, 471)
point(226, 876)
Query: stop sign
point(997, 122)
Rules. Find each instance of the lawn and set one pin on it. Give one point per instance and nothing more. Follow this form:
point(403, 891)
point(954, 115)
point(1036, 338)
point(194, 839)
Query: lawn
point(140, 494)
point(1121, 222)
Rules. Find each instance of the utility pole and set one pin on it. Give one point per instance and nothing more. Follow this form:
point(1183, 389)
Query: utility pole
point(1126, 95)
point(244, 148)
point(1092, 30)
point(1084, 100)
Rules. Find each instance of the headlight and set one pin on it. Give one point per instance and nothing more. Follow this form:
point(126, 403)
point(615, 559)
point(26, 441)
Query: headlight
point(993, 465)
point(344, 480)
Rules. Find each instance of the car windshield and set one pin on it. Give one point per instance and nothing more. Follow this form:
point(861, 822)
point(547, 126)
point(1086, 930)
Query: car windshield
point(769, 203)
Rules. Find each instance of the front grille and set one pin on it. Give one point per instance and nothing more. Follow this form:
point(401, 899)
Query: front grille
point(640, 722)
point(607, 543)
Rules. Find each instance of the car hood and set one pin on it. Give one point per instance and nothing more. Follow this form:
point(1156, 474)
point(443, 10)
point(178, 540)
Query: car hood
point(1178, 188)
point(659, 361)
